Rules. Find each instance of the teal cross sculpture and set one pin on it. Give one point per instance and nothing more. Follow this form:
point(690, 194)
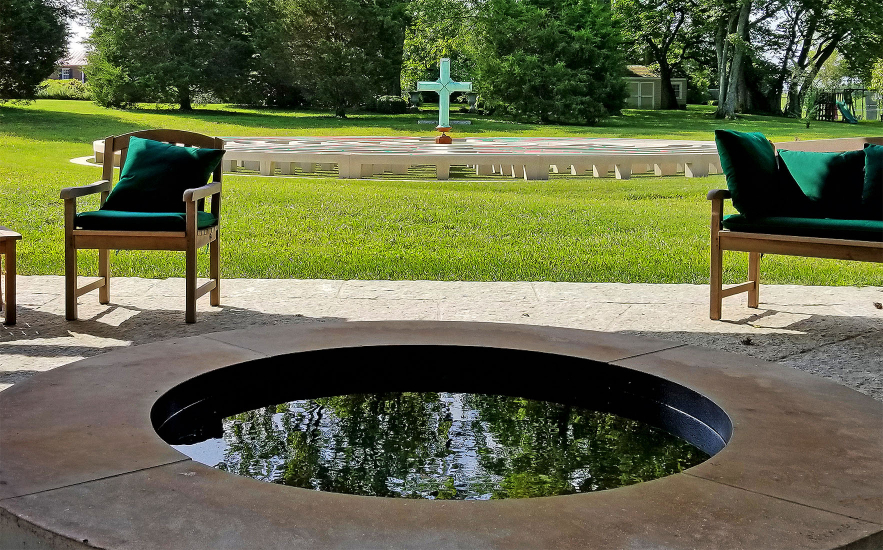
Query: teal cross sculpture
point(445, 87)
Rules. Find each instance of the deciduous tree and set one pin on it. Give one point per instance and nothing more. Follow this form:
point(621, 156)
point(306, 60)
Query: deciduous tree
point(663, 29)
point(168, 50)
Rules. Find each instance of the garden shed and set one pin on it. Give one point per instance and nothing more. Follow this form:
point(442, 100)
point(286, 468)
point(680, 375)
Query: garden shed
point(645, 88)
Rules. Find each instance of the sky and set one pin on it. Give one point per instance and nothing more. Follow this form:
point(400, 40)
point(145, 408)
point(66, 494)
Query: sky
point(79, 33)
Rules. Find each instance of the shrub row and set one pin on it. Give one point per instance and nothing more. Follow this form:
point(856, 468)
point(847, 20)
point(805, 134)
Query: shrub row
point(63, 89)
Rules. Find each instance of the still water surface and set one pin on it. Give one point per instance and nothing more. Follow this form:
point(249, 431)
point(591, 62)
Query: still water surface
point(451, 446)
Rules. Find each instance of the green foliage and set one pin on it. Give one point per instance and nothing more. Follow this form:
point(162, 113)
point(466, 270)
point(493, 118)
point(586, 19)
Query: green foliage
point(33, 37)
point(345, 51)
point(387, 104)
point(439, 28)
point(877, 78)
point(167, 51)
point(662, 31)
point(551, 61)
point(63, 89)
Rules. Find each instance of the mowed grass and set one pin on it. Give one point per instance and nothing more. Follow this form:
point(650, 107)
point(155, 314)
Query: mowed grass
point(646, 229)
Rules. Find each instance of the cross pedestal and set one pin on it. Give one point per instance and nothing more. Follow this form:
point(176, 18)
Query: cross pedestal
point(444, 138)
point(444, 86)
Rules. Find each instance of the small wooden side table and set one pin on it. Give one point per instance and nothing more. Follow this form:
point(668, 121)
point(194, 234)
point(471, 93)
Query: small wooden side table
point(7, 249)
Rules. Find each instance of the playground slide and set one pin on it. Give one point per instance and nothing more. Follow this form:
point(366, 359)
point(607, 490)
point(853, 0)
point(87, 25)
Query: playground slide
point(847, 116)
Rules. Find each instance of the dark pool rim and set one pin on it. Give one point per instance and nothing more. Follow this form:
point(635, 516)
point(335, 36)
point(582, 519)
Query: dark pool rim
point(800, 469)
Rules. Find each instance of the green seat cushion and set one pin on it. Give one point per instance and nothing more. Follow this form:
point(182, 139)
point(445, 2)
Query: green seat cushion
point(116, 220)
point(754, 177)
point(155, 176)
point(862, 230)
point(872, 192)
point(831, 181)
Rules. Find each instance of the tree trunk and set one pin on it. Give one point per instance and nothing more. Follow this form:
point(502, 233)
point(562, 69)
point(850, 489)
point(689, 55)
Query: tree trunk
point(815, 65)
point(722, 49)
point(668, 100)
point(794, 106)
point(779, 84)
point(184, 98)
point(729, 107)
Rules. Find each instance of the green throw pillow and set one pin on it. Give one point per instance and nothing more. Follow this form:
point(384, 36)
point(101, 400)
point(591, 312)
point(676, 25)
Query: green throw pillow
point(754, 179)
point(832, 181)
point(156, 175)
point(872, 193)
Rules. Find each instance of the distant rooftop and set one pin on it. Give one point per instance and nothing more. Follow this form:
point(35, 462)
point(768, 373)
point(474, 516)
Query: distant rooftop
point(641, 70)
point(76, 57)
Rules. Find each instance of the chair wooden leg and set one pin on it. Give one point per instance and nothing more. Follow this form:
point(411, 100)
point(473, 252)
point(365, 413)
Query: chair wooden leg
point(190, 282)
point(754, 276)
point(215, 271)
point(10, 284)
point(104, 273)
point(716, 283)
point(70, 281)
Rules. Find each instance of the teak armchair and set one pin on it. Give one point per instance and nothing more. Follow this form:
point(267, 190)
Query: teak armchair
point(195, 233)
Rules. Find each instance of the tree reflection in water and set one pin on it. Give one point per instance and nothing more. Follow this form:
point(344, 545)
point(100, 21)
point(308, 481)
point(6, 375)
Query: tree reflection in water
point(443, 446)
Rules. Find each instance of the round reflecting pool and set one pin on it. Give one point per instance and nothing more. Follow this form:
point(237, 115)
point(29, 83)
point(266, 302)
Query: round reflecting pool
point(370, 421)
point(86, 455)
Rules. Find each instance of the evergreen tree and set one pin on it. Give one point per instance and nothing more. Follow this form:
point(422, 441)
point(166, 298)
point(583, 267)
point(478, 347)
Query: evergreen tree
point(345, 51)
point(552, 60)
point(33, 37)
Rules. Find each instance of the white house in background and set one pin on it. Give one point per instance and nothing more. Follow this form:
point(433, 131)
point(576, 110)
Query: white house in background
point(645, 88)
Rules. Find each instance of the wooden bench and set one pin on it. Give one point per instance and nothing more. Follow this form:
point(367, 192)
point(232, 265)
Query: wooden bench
point(8, 239)
point(756, 244)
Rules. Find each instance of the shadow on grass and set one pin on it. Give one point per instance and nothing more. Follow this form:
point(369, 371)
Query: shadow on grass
point(64, 126)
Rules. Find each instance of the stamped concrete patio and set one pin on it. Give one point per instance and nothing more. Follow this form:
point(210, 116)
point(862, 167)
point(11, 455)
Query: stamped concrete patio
point(834, 332)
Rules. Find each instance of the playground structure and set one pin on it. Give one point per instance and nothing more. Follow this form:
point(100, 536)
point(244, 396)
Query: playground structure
point(847, 105)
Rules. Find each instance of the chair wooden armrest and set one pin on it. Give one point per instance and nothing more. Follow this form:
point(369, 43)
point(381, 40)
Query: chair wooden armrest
point(719, 194)
point(100, 186)
point(197, 193)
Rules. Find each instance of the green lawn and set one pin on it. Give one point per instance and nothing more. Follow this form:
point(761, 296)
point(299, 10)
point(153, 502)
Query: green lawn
point(567, 229)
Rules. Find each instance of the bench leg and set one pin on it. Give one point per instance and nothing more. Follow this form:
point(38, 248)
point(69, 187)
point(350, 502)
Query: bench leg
point(754, 276)
point(104, 273)
point(214, 250)
point(9, 307)
point(716, 283)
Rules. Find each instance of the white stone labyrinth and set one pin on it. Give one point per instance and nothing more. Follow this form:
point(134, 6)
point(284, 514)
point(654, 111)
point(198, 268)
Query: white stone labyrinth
point(532, 158)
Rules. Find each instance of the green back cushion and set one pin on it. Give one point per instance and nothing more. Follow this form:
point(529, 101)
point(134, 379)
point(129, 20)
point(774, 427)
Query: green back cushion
point(872, 192)
point(832, 181)
point(753, 175)
point(156, 175)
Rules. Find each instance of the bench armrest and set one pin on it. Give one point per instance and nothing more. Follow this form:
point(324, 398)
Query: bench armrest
point(202, 192)
point(719, 194)
point(99, 186)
